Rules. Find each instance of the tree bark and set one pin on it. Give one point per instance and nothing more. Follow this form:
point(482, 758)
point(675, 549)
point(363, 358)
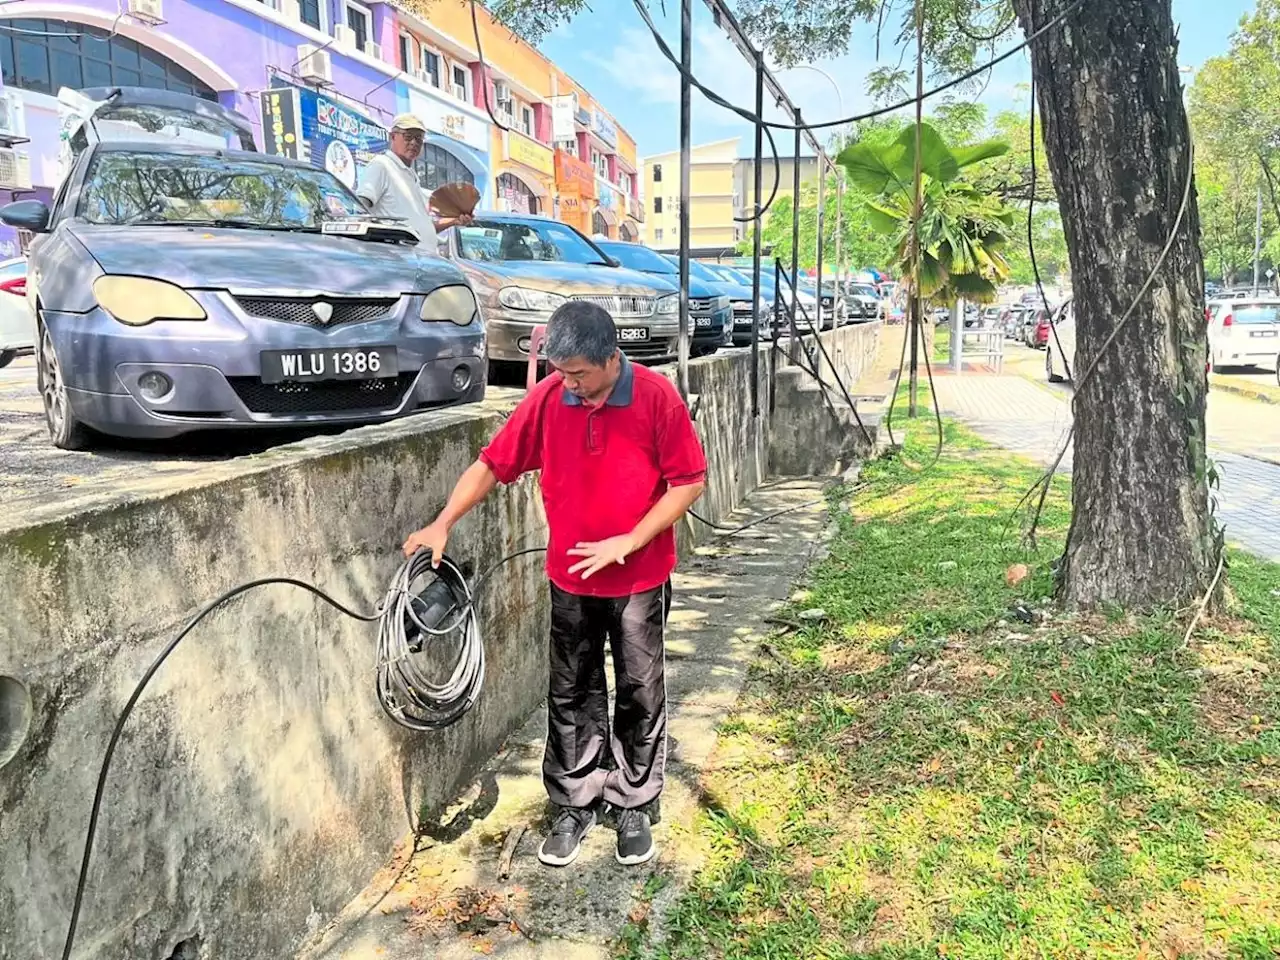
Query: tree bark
point(1116, 135)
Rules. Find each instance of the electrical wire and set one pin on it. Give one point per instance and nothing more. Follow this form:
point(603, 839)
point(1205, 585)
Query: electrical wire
point(1031, 242)
point(777, 180)
point(484, 71)
point(751, 117)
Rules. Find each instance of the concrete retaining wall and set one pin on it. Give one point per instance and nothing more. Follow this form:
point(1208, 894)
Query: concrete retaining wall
point(257, 783)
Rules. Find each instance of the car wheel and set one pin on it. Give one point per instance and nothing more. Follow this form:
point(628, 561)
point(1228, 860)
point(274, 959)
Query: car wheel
point(1048, 367)
point(66, 432)
point(7, 357)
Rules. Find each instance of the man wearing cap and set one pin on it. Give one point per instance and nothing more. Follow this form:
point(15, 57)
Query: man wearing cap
point(389, 185)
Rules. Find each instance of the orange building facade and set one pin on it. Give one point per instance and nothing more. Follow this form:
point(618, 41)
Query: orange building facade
point(553, 149)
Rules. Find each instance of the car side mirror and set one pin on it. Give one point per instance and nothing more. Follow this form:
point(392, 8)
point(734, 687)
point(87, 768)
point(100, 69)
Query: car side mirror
point(30, 215)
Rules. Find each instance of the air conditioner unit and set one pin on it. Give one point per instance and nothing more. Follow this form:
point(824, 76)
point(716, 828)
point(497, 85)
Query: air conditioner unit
point(373, 49)
point(148, 11)
point(426, 77)
point(344, 36)
point(292, 9)
point(502, 91)
point(460, 91)
point(314, 63)
point(13, 115)
point(15, 169)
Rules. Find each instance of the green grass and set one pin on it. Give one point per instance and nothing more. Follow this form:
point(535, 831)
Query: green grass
point(918, 779)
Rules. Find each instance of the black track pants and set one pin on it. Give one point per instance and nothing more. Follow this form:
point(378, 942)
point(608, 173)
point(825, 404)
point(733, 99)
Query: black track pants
point(575, 767)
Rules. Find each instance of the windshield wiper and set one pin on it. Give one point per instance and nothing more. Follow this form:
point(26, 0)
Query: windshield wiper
point(230, 222)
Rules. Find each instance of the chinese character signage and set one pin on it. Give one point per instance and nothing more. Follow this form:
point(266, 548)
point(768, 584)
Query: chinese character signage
point(328, 134)
point(443, 116)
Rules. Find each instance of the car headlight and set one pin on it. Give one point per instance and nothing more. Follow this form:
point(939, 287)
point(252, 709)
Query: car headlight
point(136, 301)
point(455, 303)
point(722, 302)
point(669, 304)
point(522, 298)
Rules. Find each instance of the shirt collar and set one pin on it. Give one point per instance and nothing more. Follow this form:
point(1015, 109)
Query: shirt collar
point(622, 391)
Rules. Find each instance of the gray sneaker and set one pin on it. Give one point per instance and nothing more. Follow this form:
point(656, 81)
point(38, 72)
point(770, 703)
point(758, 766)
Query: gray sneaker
point(564, 841)
point(635, 840)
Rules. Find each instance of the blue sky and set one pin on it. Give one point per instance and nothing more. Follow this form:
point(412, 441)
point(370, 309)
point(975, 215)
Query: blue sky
point(611, 52)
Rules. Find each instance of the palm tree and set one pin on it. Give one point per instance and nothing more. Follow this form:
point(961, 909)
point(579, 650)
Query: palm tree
point(962, 230)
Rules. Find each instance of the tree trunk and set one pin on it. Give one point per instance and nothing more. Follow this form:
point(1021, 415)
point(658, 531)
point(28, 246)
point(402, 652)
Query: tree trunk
point(1116, 135)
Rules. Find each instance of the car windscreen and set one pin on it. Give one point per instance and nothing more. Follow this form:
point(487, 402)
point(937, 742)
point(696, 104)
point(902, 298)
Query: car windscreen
point(524, 240)
point(704, 273)
point(862, 290)
point(1255, 312)
point(122, 187)
point(635, 257)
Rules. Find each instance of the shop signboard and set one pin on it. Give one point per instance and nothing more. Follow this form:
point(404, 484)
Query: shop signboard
point(604, 128)
point(562, 111)
point(326, 133)
point(574, 176)
point(530, 153)
point(446, 117)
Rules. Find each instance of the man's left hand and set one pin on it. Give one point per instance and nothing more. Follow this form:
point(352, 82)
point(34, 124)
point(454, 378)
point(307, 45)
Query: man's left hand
point(605, 553)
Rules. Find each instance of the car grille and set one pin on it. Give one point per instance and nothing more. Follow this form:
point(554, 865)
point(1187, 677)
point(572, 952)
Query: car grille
point(622, 307)
point(742, 306)
point(299, 309)
point(647, 351)
point(708, 305)
point(325, 396)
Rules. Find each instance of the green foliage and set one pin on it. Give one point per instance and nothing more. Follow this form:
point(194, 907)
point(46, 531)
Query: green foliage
point(962, 230)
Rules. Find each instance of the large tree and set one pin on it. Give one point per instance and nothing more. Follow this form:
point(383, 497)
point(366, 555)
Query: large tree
point(1118, 145)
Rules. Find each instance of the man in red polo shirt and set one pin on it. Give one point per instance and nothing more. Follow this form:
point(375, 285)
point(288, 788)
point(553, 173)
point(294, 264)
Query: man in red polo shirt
point(621, 464)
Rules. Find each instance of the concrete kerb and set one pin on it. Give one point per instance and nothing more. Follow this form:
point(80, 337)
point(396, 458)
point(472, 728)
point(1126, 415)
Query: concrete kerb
point(1254, 391)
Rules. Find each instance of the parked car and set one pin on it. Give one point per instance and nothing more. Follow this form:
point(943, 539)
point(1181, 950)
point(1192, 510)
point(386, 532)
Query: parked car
point(835, 305)
point(17, 332)
point(1011, 320)
point(806, 301)
point(177, 287)
point(1244, 332)
point(522, 267)
point(862, 302)
point(991, 318)
point(1060, 350)
point(709, 309)
point(738, 290)
point(1035, 327)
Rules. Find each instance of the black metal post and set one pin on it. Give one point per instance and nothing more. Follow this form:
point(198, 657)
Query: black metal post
point(795, 235)
point(757, 172)
point(686, 58)
point(777, 332)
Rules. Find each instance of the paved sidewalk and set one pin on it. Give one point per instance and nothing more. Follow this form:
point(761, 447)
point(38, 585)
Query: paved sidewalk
point(1033, 419)
point(446, 899)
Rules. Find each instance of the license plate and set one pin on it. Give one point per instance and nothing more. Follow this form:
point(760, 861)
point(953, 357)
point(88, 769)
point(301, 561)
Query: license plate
point(702, 321)
point(633, 334)
point(328, 363)
point(1262, 333)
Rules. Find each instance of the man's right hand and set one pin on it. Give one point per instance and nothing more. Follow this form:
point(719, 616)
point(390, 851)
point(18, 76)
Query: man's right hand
point(434, 538)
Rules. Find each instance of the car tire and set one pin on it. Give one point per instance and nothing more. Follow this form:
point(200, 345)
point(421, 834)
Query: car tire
point(65, 430)
point(7, 357)
point(1049, 372)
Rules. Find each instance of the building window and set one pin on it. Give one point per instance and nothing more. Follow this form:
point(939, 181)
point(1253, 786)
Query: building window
point(436, 166)
point(526, 121)
point(358, 21)
point(624, 182)
point(309, 11)
point(570, 147)
point(657, 173)
point(601, 163)
point(657, 234)
point(519, 197)
point(599, 225)
point(51, 54)
point(460, 83)
point(657, 204)
point(406, 58)
point(431, 67)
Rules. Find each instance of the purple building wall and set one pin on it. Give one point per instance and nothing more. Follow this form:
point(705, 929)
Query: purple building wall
point(230, 47)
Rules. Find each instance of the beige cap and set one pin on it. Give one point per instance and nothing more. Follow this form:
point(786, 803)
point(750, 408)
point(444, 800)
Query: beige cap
point(408, 121)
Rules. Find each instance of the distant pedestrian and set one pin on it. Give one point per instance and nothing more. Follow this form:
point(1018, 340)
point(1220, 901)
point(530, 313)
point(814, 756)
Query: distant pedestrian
point(620, 465)
point(389, 185)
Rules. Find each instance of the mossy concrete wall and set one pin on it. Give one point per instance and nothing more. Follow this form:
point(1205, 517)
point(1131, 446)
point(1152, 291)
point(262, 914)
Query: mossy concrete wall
point(258, 784)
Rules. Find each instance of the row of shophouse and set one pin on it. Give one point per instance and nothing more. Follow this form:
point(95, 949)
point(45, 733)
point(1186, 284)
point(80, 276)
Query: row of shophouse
point(321, 80)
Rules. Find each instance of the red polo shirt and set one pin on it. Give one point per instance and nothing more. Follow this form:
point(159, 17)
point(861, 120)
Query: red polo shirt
point(603, 468)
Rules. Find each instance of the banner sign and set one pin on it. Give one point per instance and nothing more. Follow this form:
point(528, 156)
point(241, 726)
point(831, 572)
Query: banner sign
point(575, 176)
point(562, 111)
point(330, 135)
point(531, 153)
point(604, 128)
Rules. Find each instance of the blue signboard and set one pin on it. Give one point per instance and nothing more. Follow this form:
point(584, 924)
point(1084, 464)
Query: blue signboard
point(603, 128)
point(311, 126)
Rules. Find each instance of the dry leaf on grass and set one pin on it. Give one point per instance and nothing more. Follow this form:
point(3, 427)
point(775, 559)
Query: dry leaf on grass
point(1016, 574)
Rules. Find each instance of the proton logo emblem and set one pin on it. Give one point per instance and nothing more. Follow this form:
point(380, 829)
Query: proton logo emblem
point(323, 311)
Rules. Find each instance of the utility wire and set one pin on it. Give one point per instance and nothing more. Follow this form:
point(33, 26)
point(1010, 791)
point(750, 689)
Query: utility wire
point(484, 72)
